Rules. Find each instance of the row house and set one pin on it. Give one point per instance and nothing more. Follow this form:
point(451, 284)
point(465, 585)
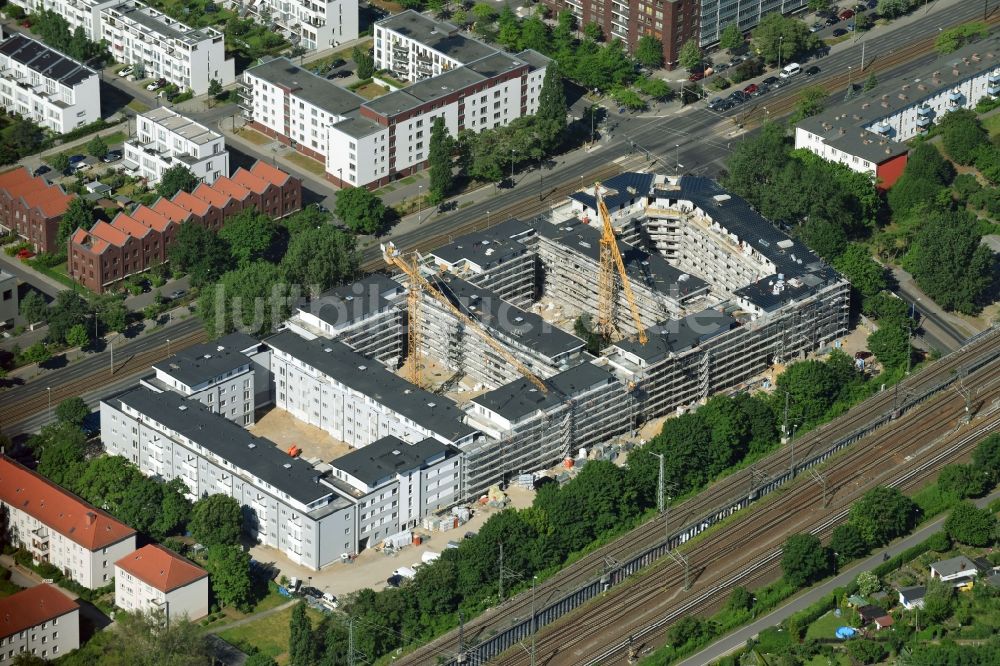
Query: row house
point(32, 207)
point(134, 242)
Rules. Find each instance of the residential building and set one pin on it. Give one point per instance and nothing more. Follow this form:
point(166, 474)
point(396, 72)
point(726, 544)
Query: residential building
point(230, 376)
point(355, 399)
point(415, 47)
point(84, 14)
point(370, 143)
point(287, 504)
point(313, 25)
point(673, 22)
point(135, 241)
point(61, 529)
point(155, 580)
point(190, 58)
point(32, 208)
point(46, 86)
point(396, 484)
point(912, 597)
point(867, 133)
point(164, 138)
point(958, 571)
point(41, 621)
point(8, 298)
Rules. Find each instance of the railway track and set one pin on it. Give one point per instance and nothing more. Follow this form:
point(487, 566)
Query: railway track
point(723, 493)
point(626, 610)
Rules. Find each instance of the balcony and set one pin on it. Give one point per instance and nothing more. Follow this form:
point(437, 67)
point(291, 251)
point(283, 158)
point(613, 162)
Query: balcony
point(924, 121)
point(993, 89)
point(924, 111)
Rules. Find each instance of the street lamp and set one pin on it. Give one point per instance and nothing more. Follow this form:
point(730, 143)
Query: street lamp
point(780, 39)
point(420, 202)
point(512, 151)
point(48, 392)
point(168, 346)
point(677, 156)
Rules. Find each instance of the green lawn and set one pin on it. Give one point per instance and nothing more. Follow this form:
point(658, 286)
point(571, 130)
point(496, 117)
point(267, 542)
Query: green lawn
point(372, 90)
point(138, 106)
point(838, 659)
point(307, 163)
point(826, 626)
point(992, 125)
point(268, 634)
point(254, 137)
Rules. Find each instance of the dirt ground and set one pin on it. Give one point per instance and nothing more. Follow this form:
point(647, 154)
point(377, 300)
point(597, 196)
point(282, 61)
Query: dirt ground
point(285, 430)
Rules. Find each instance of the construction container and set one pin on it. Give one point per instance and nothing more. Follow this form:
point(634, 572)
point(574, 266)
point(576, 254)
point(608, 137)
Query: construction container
point(417, 539)
point(568, 463)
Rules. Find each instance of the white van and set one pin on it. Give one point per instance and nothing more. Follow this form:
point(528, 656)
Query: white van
point(790, 69)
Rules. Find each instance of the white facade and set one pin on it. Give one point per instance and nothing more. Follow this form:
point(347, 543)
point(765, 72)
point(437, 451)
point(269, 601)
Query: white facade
point(187, 57)
point(815, 143)
point(46, 624)
point(84, 14)
point(312, 24)
point(8, 298)
point(47, 86)
point(164, 139)
point(407, 56)
point(135, 595)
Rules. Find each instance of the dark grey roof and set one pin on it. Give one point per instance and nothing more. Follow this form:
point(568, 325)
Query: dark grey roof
point(258, 456)
point(490, 247)
point(311, 87)
point(494, 65)
point(438, 414)
point(580, 378)
point(46, 61)
point(506, 319)
point(355, 301)
point(204, 362)
point(618, 191)
point(441, 36)
point(444, 84)
point(651, 270)
point(389, 456)
point(913, 593)
point(770, 292)
point(394, 103)
point(358, 126)
point(519, 398)
point(534, 58)
point(679, 335)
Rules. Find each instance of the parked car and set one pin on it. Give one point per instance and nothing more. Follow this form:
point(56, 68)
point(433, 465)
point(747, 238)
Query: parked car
point(839, 32)
point(338, 62)
point(833, 20)
point(394, 581)
point(311, 592)
point(329, 600)
point(112, 156)
point(177, 293)
point(153, 86)
point(872, 4)
point(860, 8)
point(850, 26)
point(126, 71)
point(76, 159)
point(772, 81)
point(44, 169)
point(846, 14)
point(812, 71)
point(725, 105)
point(751, 89)
point(739, 96)
point(715, 103)
point(817, 26)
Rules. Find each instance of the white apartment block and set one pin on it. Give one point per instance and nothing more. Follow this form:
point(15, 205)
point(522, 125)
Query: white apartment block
point(354, 398)
point(370, 143)
point(46, 86)
point(40, 621)
point(164, 139)
point(187, 57)
point(57, 527)
point(414, 47)
point(867, 133)
point(154, 580)
point(84, 14)
point(312, 24)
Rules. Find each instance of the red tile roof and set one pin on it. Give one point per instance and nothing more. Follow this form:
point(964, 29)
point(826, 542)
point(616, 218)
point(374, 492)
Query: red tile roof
point(250, 181)
point(168, 208)
point(108, 233)
point(213, 197)
point(29, 608)
point(82, 238)
point(58, 509)
point(51, 200)
point(151, 218)
point(231, 188)
point(269, 173)
point(160, 568)
point(191, 203)
point(130, 226)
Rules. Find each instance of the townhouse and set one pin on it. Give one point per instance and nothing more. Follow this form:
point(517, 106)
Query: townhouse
point(154, 580)
point(311, 24)
point(32, 208)
point(190, 58)
point(369, 143)
point(84, 14)
point(165, 138)
point(135, 241)
point(40, 621)
point(50, 88)
point(60, 529)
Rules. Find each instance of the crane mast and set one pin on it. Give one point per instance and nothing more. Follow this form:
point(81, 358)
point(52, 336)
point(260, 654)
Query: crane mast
point(611, 262)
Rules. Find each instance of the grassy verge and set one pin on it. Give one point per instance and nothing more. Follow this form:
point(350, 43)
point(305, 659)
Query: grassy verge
point(307, 163)
point(138, 106)
point(254, 137)
point(992, 125)
point(59, 273)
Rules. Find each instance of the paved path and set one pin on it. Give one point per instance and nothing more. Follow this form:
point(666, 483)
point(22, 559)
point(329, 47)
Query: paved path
point(738, 639)
point(255, 616)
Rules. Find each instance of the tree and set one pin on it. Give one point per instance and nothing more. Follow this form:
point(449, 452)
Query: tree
point(250, 235)
point(882, 514)
point(253, 299)
point(259, 659)
point(804, 560)
point(214, 88)
point(962, 481)
point(658, 89)
point(971, 526)
point(363, 62)
point(97, 146)
point(818, 5)
point(111, 311)
point(216, 520)
point(688, 629)
point(33, 307)
point(594, 33)
point(440, 160)
point(301, 647)
point(550, 117)
point(68, 310)
point(77, 336)
point(689, 56)
point(203, 254)
point(483, 12)
point(739, 599)
point(891, 345)
point(535, 35)
point(649, 52)
point(847, 542)
point(321, 258)
point(174, 511)
point(79, 215)
point(73, 411)
point(777, 37)
point(962, 135)
point(362, 211)
point(812, 100)
point(60, 162)
point(868, 583)
point(867, 651)
point(825, 238)
point(937, 602)
point(870, 82)
point(59, 448)
point(36, 353)
point(175, 179)
point(731, 37)
point(866, 275)
point(229, 567)
point(145, 639)
point(986, 457)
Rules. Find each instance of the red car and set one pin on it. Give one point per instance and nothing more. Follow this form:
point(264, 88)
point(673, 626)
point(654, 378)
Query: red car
point(697, 76)
point(750, 89)
point(846, 14)
point(25, 254)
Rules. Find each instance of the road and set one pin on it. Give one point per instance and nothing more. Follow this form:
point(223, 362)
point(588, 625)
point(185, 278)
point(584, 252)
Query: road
point(738, 639)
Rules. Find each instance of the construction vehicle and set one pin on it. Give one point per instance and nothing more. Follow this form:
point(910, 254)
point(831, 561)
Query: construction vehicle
point(611, 262)
point(418, 284)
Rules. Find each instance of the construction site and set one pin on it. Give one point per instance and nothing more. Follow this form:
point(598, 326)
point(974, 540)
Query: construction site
point(685, 289)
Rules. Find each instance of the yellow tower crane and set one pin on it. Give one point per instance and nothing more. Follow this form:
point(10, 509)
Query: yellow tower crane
point(418, 283)
point(611, 262)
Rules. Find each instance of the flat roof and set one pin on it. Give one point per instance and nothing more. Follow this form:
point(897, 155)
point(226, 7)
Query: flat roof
point(204, 362)
point(181, 125)
point(389, 456)
point(46, 61)
point(441, 36)
point(311, 87)
point(495, 64)
point(436, 413)
point(520, 397)
point(676, 336)
point(442, 85)
point(354, 302)
point(162, 24)
point(358, 126)
point(258, 456)
point(488, 248)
